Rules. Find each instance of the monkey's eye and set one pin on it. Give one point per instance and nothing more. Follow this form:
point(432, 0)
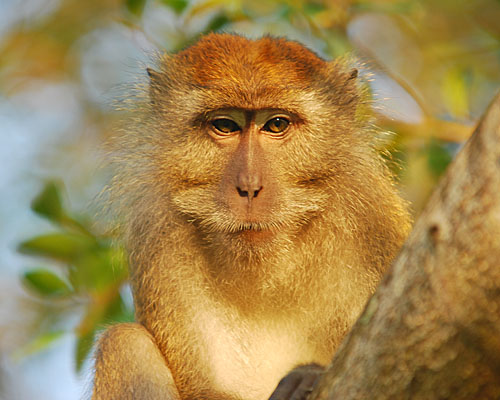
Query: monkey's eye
point(225, 126)
point(276, 125)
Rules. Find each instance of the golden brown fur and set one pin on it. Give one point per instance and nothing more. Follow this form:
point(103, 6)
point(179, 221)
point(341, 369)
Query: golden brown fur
point(234, 300)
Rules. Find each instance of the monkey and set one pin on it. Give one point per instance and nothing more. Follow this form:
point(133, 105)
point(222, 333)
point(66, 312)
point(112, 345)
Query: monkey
point(259, 217)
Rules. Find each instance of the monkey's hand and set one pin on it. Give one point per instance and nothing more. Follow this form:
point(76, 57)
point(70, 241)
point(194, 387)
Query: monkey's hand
point(129, 366)
point(299, 383)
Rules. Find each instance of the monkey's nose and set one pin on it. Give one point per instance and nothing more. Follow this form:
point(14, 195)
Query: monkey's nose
point(251, 194)
point(248, 185)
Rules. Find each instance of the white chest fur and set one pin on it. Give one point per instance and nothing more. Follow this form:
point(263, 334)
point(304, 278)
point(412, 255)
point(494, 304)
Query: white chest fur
point(247, 361)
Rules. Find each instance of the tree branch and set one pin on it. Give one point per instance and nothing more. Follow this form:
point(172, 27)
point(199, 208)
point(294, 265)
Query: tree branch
point(432, 330)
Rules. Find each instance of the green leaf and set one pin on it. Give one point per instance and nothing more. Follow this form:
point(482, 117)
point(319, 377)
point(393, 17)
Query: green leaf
point(218, 22)
point(83, 346)
point(136, 7)
point(46, 283)
point(394, 7)
point(454, 90)
point(60, 246)
point(177, 5)
point(48, 203)
point(438, 158)
point(313, 8)
point(38, 344)
point(117, 311)
point(98, 270)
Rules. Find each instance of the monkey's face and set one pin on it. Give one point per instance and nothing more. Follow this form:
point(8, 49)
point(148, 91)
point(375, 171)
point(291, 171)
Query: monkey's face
point(250, 136)
point(234, 174)
point(248, 176)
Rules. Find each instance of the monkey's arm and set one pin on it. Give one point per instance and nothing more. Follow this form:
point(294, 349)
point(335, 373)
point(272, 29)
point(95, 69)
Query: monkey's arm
point(298, 384)
point(129, 365)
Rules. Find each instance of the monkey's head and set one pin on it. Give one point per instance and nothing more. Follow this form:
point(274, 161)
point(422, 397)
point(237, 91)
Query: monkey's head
point(250, 141)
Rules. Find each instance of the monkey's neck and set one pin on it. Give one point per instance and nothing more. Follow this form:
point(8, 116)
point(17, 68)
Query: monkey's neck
point(293, 275)
point(266, 285)
point(290, 273)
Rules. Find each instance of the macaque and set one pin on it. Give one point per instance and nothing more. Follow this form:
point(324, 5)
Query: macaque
point(259, 218)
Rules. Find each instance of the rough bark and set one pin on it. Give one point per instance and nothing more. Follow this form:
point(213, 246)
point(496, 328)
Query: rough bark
point(432, 330)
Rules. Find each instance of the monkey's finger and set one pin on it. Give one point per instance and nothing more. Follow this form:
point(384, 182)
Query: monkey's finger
point(286, 387)
point(305, 387)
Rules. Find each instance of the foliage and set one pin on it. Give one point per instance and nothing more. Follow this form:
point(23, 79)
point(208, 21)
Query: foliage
point(91, 272)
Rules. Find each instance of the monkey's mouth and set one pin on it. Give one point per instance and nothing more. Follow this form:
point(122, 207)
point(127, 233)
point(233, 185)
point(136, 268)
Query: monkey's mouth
point(242, 228)
point(255, 232)
point(253, 226)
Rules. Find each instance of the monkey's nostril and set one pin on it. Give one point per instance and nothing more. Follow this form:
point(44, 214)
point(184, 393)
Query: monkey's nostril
point(242, 193)
point(256, 192)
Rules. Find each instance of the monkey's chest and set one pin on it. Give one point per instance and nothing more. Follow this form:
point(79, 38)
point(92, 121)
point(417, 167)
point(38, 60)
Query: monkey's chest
point(248, 362)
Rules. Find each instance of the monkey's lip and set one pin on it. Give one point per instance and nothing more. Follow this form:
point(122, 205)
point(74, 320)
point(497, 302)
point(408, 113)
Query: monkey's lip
point(255, 232)
point(252, 230)
point(252, 226)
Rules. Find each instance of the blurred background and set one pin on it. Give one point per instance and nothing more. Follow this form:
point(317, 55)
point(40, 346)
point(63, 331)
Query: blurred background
point(433, 67)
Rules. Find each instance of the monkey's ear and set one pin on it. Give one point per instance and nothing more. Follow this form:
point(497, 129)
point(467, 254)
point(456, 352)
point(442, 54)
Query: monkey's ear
point(353, 74)
point(153, 75)
point(348, 89)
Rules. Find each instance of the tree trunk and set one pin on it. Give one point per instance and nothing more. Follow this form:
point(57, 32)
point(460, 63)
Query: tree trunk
point(432, 330)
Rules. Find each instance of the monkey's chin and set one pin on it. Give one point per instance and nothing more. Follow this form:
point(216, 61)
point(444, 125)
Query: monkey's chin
point(256, 236)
